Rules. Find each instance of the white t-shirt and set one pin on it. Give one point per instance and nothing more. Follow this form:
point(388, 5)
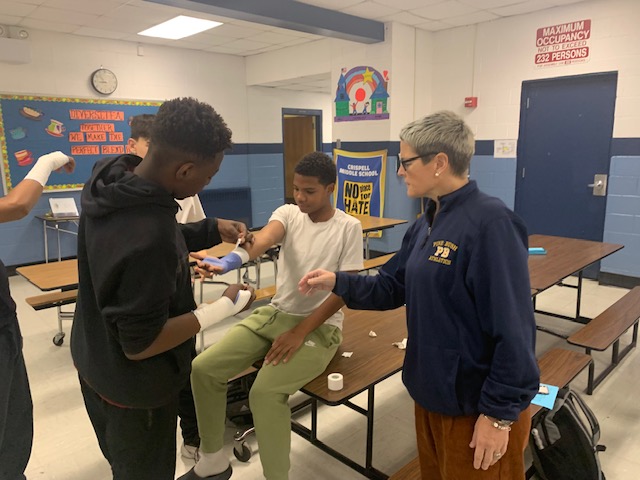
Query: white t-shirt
point(190, 210)
point(334, 245)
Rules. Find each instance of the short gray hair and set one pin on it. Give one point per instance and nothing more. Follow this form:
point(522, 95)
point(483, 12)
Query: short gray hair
point(442, 131)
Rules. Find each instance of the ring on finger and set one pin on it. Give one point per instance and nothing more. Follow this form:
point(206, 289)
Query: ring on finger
point(497, 455)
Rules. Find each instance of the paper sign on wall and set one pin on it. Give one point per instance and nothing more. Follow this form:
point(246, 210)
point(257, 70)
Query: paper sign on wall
point(564, 44)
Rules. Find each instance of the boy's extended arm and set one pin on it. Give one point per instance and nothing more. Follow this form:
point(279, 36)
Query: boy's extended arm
point(23, 197)
point(261, 241)
point(19, 201)
point(271, 234)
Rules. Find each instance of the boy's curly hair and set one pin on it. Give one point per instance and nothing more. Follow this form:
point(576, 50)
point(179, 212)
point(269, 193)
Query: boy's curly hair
point(319, 165)
point(190, 126)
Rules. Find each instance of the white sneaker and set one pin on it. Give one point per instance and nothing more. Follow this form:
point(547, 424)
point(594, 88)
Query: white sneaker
point(190, 451)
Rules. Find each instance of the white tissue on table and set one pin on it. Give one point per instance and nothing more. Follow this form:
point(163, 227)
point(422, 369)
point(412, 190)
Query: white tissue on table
point(373, 334)
point(347, 354)
point(401, 345)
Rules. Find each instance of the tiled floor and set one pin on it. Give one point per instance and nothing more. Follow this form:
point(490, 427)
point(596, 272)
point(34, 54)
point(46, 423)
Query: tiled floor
point(65, 447)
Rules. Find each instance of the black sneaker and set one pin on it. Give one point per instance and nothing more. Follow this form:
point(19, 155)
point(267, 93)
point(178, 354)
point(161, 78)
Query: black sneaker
point(191, 475)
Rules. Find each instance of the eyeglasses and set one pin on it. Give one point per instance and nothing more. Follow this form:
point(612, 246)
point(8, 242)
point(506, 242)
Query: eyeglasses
point(406, 162)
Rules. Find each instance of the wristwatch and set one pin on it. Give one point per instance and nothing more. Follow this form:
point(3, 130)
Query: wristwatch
point(499, 424)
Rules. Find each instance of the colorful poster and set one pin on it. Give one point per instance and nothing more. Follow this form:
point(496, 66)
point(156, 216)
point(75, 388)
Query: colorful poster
point(362, 94)
point(86, 129)
point(361, 177)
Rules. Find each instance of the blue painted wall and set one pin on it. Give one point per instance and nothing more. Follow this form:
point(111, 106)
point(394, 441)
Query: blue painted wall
point(260, 167)
point(622, 220)
point(496, 177)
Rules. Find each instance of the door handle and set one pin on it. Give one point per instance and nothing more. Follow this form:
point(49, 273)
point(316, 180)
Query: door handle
point(599, 185)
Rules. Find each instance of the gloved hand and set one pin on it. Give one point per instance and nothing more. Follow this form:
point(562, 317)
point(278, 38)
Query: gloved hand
point(47, 164)
point(209, 314)
point(231, 261)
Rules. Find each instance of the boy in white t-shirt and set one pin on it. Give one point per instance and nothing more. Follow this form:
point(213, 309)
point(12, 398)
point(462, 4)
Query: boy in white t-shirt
point(296, 335)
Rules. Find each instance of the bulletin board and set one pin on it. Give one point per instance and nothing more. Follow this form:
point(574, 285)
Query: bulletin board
point(86, 129)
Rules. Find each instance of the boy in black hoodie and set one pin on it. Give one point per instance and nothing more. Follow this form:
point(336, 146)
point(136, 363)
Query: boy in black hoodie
point(135, 316)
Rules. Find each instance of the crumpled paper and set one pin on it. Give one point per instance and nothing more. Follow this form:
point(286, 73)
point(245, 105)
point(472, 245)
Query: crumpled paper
point(401, 345)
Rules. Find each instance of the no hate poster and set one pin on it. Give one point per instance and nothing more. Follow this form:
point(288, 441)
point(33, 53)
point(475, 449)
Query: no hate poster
point(361, 179)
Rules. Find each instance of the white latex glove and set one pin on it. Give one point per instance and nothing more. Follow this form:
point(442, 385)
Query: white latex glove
point(45, 165)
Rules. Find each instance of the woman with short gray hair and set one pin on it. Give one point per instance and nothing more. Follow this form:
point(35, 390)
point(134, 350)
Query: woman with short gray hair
point(462, 272)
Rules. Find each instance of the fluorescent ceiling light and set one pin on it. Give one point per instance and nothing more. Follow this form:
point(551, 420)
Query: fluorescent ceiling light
point(179, 27)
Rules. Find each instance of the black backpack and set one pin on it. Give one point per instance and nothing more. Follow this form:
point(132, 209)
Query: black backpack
point(564, 441)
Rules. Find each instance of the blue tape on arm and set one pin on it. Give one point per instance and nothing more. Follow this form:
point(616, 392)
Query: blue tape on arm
point(229, 262)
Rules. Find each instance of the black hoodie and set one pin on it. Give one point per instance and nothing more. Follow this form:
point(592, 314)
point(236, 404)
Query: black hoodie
point(133, 275)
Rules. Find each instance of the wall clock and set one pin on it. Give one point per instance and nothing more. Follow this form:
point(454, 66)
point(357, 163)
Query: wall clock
point(104, 81)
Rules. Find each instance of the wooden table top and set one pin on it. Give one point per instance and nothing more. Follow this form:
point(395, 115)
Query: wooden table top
point(370, 224)
point(564, 257)
point(52, 276)
point(373, 359)
point(51, 218)
point(64, 274)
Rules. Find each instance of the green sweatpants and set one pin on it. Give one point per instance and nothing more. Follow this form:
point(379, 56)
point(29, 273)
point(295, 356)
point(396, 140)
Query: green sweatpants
point(244, 344)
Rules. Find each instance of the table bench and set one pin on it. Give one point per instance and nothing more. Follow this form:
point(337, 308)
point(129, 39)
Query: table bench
point(605, 331)
point(377, 262)
point(55, 299)
point(558, 366)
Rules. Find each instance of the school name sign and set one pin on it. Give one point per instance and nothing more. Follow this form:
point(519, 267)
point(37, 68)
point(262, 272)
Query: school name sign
point(564, 44)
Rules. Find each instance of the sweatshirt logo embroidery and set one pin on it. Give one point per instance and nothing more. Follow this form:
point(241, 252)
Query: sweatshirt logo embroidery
point(444, 251)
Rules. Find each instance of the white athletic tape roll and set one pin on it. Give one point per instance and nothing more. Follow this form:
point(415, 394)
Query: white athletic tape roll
point(335, 381)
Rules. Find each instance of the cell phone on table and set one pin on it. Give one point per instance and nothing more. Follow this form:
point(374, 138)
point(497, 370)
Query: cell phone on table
point(543, 390)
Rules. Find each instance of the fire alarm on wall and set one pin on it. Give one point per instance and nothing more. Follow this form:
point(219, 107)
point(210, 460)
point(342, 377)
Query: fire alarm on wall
point(471, 102)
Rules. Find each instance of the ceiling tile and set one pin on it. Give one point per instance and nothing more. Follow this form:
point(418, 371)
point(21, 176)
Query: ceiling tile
point(48, 26)
point(472, 18)
point(56, 15)
point(434, 26)
point(96, 7)
point(95, 32)
point(403, 17)
point(235, 31)
point(9, 19)
point(487, 4)
point(332, 4)
point(17, 9)
point(450, 8)
point(409, 4)
point(271, 38)
point(369, 9)
point(520, 8)
point(244, 44)
point(31, 2)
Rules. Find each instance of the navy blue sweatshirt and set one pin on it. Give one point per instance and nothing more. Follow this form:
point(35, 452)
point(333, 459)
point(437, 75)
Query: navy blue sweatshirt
point(471, 329)
point(133, 275)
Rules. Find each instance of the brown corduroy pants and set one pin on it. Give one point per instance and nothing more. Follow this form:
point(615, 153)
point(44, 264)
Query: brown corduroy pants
point(444, 452)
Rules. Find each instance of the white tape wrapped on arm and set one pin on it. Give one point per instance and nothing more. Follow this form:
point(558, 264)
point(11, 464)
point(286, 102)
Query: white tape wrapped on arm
point(45, 165)
point(209, 314)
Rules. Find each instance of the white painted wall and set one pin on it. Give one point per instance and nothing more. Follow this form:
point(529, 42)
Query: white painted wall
point(491, 60)
point(61, 65)
point(265, 112)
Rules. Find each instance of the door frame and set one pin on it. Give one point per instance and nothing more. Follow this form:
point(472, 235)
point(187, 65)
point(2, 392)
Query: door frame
point(301, 112)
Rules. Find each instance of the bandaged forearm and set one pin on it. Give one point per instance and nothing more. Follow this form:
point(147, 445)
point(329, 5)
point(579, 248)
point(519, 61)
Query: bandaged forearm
point(45, 165)
point(231, 261)
point(209, 314)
